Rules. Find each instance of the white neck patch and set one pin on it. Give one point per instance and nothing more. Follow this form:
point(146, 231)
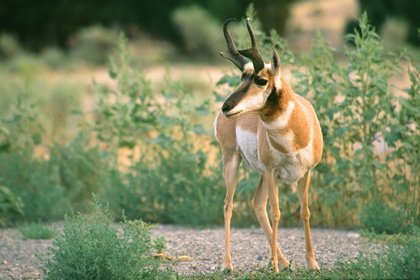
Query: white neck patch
point(283, 119)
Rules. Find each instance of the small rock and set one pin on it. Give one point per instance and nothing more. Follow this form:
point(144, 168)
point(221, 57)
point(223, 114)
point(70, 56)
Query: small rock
point(353, 235)
point(259, 258)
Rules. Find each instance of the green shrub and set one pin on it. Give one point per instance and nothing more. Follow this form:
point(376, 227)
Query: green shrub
point(54, 58)
point(36, 183)
point(10, 204)
point(82, 170)
point(389, 262)
point(37, 231)
point(26, 65)
point(383, 218)
point(9, 46)
point(46, 187)
point(200, 32)
point(93, 248)
point(94, 45)
point(168, 170)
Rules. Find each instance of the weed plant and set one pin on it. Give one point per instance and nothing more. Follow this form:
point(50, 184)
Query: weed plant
point(170, 178)
point(199, 30)
point(37, 231)
point(10, 204)
point(94, 248)
point(44, 188)
point(94, 44)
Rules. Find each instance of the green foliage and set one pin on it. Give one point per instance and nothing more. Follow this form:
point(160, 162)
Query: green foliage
point(54, 58)
point(81, 170)
point(199, 30)
point(391, 262)
point(367, 154)
point(94, 45)
point(36, 184)
point(45, 187)
point(38, 28)
point(9, 47)
point(37, 231)
point(383, 218)
point(159, 244)
point(148, 152)
point(10, 204)
point(171, 174)
point(93, 248)
point(391, 9)
point(411, 231)
point(26, 64)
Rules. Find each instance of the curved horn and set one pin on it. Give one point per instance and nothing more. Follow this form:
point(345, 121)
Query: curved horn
point(253, 53)
point(232, 53)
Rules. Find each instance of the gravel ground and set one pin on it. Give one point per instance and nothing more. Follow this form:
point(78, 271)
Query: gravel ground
point(250, 250)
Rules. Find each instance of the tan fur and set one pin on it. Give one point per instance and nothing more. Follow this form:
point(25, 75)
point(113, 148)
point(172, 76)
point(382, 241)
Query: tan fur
point(277, 133)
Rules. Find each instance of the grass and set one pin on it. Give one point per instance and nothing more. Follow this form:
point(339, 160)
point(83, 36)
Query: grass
point(37, 231)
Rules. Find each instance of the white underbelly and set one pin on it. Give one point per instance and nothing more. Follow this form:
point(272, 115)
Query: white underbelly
point(248, 147)
point(289, 167)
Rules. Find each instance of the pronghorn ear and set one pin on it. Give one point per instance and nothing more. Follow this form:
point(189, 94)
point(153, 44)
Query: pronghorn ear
point(275, 64)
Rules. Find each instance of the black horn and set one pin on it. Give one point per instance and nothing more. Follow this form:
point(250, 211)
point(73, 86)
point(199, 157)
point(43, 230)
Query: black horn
point(253, 53)
point(232, 53)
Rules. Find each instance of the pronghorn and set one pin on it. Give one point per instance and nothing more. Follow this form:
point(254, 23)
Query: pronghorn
point(276, 132)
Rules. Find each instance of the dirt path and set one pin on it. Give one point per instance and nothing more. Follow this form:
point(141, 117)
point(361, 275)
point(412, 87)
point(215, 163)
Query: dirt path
point(250, 250)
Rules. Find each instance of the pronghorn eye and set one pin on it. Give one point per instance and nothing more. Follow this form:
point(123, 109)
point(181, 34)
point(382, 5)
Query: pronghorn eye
point(260, 82)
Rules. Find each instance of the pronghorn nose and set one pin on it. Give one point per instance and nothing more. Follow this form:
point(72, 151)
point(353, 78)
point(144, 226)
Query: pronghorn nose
point(226, 108)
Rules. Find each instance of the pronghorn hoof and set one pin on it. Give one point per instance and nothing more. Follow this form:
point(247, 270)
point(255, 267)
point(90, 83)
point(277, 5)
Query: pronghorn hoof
point(227, 271)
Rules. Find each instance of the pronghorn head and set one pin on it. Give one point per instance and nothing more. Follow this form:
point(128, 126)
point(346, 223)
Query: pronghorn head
point(259, 80)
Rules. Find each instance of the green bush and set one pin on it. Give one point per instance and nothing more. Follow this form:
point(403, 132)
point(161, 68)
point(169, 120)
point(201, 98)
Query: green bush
point(37, 231)
point(47, 187)
point(391, 261)
point(171, 179)
point(200, 32)
point(359, 111)
point(93, 248)
point(94, 45)
point(26, 65)
point(36, 184)
point(10, 204)
point(82, 170)
point(54, 58)
point(383, 218)
point(9, 46)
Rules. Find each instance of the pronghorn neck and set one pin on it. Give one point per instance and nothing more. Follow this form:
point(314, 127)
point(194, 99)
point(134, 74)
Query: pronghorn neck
point(279, 105)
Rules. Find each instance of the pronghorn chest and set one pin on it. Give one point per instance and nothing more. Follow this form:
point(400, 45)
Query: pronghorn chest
point(261, 151)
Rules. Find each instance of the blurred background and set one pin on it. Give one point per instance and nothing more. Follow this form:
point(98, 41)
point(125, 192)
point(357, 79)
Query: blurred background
point(54, 26)
point(136, 129)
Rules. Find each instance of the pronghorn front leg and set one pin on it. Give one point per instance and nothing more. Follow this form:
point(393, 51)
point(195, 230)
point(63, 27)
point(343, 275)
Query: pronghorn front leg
point(303, 185)
point(231, 166)
point(259, 202)
point(269, 176)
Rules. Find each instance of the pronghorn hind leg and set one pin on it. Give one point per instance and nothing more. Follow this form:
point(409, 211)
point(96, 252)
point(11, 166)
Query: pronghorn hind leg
point(231, 167)
point(303, 186)
point(259, 202)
